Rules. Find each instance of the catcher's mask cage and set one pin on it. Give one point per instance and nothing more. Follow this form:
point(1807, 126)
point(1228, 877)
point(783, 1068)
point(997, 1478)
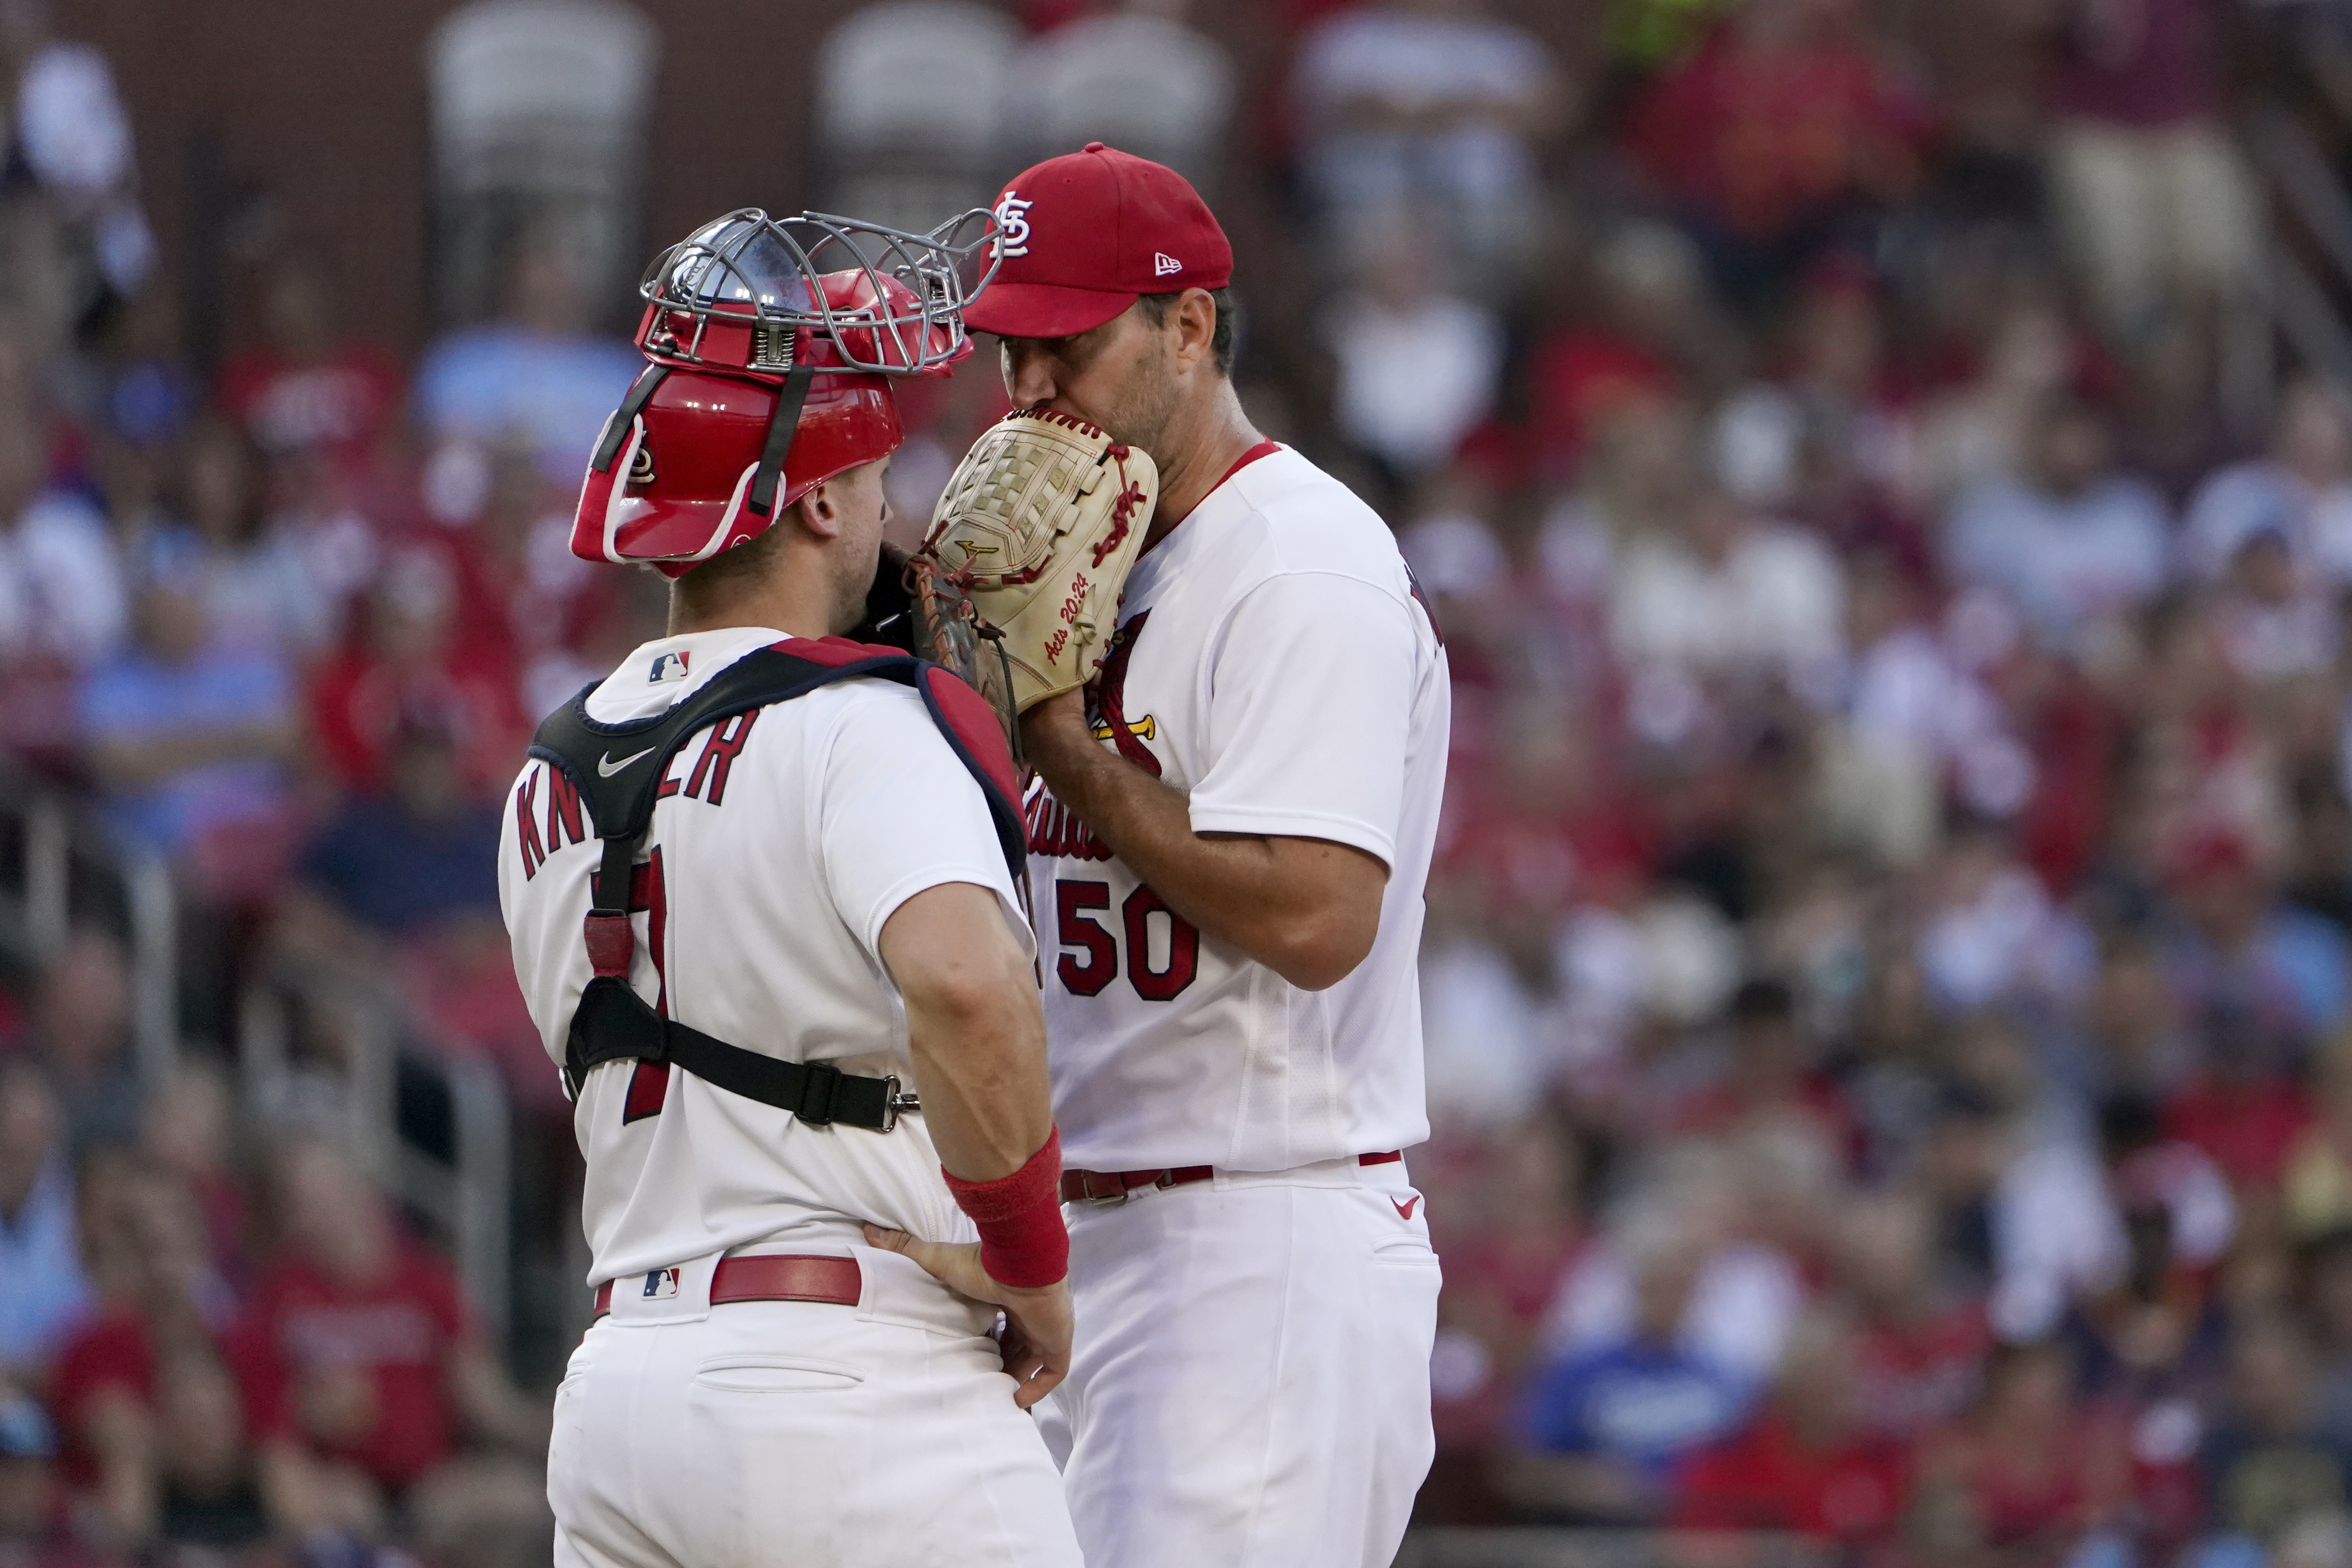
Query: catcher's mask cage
point(741, 293)
point(740, 318)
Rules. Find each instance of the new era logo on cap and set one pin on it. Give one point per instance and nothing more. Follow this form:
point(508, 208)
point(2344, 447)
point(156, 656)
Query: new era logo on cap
point(1081, 237)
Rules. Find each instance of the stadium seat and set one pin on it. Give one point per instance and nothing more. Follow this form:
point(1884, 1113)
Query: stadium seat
point(538, 114)
point(907, 117)
point(1145, 85)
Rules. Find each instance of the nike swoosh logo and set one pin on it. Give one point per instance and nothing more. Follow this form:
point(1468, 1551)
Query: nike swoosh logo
point(606, 767)
point(1405, 1206)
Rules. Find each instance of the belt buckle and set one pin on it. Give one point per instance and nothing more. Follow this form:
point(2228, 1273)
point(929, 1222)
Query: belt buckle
point(893, 1102)
point(1116, 1195)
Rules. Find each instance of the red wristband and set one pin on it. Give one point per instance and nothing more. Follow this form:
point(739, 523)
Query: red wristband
point(1023, 1242)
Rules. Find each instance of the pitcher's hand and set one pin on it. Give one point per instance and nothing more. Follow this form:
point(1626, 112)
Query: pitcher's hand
point(1037, 1323)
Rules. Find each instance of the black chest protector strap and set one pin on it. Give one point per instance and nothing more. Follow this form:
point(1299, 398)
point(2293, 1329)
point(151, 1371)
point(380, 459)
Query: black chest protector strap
point(619, 768)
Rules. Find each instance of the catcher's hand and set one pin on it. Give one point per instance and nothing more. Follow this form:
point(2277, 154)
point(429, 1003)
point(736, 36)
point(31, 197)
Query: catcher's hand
point(889, 618)
point(914, 604)
point(947, 631)
point(1039, 525)
point(1035, 1343)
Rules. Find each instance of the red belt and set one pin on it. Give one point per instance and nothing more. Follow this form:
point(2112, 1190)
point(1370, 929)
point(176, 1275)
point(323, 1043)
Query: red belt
point(783, 1277)
point(1112, 1186)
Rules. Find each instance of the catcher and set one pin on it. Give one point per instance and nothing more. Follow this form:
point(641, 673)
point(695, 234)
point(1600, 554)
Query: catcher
point(762, 886)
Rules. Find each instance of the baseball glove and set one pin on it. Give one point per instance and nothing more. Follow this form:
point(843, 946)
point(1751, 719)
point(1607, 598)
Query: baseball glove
point(949, 632)
point(1039, 526)
point(914, 605)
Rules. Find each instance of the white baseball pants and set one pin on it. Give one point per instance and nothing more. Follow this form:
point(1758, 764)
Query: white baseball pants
point(800, 1435)
point(1250, 1385)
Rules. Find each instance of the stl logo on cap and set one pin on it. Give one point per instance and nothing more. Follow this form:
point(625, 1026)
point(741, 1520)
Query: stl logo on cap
point(1012, 226)
point(1111, 228)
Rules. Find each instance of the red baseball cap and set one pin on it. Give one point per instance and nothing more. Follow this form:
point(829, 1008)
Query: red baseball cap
point(1081, 236)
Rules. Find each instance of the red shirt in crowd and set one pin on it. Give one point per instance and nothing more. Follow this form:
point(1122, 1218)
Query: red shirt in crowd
point(1910, 1379)
point(2151, 63)
point(2246, 1128)
point(398, 1331)
point(360, 701)
point(2027, 1489)
point(1814, 1102)
point(1759, 137)
point(117, 1352)
point(513, 610)
point(114, 1353)
point(340, 404)
point(1580, 376)
point(1764, 1478)
point(2076, 733)
point(1543, 864)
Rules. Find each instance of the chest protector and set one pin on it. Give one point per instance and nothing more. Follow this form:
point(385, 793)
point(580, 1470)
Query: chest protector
point(618, 769)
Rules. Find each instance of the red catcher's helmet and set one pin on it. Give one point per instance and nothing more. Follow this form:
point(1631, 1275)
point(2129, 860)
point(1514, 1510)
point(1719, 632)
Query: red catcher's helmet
point(770, 374)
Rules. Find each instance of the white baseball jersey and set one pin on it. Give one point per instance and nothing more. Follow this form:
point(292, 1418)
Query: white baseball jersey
point(1274, 662)
point(784, 839)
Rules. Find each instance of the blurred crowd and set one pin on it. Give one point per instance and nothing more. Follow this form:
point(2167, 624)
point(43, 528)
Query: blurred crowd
point(1888, 994)
point(1889, 974)
point(284, 621)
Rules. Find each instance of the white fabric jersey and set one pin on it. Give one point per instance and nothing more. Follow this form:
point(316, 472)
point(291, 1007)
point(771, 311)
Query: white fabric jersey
point(1272, 661)
point(783, 841)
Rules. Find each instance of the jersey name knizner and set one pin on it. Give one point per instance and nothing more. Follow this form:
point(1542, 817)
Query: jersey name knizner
point(558, 812)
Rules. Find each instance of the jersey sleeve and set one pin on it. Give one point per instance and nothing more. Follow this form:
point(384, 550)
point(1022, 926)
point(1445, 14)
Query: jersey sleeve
point(900, 813)
point(1310, 709)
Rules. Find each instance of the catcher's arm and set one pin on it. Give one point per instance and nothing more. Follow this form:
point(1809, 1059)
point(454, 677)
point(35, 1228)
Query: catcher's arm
point(979, 1043)
point(974, 1027)
point(1308, 908)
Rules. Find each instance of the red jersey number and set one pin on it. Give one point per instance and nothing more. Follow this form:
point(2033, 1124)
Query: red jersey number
point(1096, 961)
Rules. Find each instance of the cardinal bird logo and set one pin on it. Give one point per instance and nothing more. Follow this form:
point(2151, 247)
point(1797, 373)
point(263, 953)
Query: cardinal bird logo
point(1111, 722)
point(1146, 726)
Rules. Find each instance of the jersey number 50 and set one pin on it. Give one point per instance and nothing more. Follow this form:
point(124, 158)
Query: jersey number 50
point(1084, 973)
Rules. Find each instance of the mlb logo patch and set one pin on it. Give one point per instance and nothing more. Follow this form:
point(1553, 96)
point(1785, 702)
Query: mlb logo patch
point(661, 1284)
point(667, 666)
